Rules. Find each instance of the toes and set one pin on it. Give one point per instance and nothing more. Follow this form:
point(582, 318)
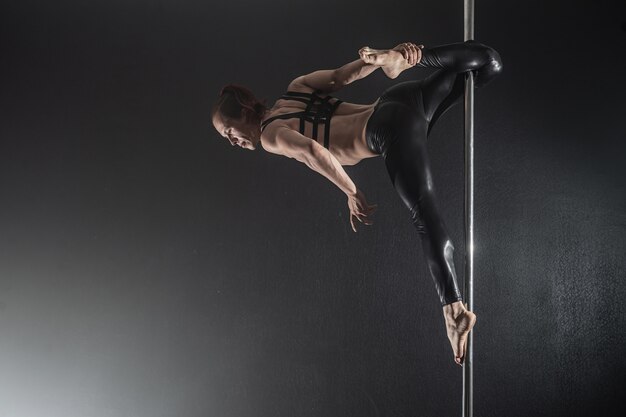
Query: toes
point(367, 55)
point(460, 348)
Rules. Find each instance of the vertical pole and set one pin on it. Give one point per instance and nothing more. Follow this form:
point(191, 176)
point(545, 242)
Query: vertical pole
point(468, 284)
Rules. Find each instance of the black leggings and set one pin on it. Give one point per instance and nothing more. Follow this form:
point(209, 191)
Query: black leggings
point(398, 130)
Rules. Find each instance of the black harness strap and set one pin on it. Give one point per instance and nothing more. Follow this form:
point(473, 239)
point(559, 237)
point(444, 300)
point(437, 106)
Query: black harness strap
point(327, 125)
point(317, 111)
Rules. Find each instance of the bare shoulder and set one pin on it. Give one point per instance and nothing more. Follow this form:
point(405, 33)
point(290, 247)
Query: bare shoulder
point(269, 140)
point(284, 141)
point(274, 138)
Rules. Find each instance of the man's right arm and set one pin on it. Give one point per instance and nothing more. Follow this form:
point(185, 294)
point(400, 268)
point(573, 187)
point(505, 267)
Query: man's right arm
point(292, 144)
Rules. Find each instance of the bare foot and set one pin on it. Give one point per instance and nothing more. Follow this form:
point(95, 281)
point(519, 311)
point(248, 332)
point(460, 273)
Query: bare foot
point(459, 322)
point(392, 61)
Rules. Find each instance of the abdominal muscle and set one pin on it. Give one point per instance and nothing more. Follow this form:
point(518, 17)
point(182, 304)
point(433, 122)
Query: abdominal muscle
point(347, 128)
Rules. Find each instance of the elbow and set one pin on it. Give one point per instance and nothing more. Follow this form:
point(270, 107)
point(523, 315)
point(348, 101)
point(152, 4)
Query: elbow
point(339, 80)
point(311, 159)
point(308, 155)
point(317, 157)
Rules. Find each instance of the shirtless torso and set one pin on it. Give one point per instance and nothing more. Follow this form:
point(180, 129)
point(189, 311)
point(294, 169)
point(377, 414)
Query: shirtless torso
point(347, 126)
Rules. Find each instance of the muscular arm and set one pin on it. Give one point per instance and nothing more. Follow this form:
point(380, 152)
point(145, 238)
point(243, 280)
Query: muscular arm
point(393, 61)
point(292, 144)
point(328, 81)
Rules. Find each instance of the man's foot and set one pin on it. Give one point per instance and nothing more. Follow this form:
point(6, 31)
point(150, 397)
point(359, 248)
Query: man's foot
point(391, 60)
point(459, 322)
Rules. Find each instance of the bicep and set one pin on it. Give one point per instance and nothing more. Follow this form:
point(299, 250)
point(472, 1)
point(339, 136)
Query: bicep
point(325, 81)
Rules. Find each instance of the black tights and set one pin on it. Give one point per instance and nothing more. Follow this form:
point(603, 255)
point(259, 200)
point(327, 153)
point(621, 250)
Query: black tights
point(398, 129)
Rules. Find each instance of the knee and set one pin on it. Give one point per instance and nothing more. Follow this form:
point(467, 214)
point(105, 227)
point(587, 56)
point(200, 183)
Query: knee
point(491, 68)
point(495, 62)
point(489, 57)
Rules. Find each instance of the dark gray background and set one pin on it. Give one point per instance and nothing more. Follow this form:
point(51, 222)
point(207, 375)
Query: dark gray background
point(149, 269)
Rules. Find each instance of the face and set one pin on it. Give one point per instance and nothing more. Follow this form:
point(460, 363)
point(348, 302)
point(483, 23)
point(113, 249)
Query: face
point(238, 132)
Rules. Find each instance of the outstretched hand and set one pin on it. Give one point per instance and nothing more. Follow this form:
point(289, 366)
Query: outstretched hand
point(360, 209)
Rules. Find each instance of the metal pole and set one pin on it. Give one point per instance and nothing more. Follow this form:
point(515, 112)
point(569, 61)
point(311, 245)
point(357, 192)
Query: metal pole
point(468, 284)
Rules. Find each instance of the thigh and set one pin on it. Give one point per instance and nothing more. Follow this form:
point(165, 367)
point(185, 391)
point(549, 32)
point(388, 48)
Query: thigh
point(398, 130)
point(408, 166)
point(409, 169)
point(440, 91)
point(393, 119)
point(428, 98)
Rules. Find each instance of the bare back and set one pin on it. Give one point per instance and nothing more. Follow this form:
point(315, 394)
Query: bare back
point(347, 126)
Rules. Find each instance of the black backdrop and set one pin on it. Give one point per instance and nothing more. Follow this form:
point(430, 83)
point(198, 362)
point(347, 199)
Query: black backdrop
point(149, 269)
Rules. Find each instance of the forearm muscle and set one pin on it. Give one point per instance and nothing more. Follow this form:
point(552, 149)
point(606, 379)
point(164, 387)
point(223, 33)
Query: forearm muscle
point(354, 71)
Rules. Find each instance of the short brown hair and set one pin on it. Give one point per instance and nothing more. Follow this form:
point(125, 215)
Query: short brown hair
point(233, 99)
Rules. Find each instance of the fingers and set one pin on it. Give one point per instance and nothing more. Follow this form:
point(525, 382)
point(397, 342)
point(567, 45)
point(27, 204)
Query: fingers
point(368, 211)
point(360, 209)
point(365, 213)
point(362, 215)
point(405, 52)
point(413, 49)
point(412, 53)
point(361, 218)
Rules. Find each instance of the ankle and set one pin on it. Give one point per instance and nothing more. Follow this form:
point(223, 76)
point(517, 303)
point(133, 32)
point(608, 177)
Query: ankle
point(453, 310)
